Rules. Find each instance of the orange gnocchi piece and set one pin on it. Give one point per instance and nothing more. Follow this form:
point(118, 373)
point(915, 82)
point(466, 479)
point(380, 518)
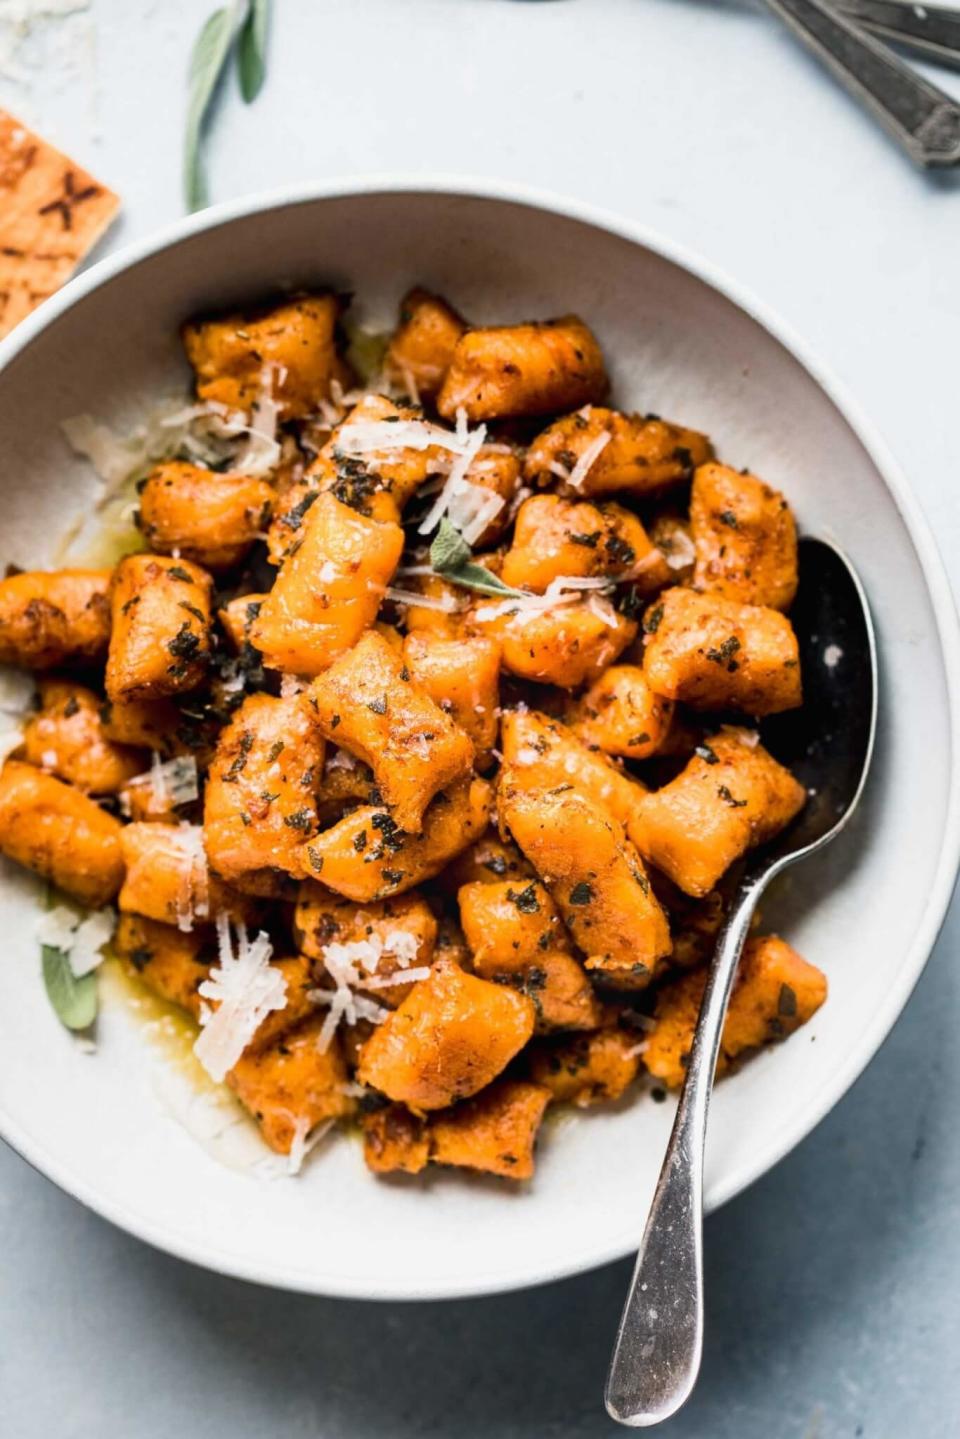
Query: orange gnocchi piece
point(369, 703)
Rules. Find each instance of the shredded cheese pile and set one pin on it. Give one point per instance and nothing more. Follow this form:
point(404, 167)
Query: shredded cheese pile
point(246, 988)
point(470, 507)
point(352, 967)
point(458, 497)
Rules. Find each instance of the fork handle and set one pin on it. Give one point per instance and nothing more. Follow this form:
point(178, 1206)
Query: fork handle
point(656, 1356)
point(933, 33)
point(922, 118)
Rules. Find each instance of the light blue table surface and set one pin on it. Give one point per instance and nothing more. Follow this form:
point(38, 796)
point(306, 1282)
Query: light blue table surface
point(833, 1283)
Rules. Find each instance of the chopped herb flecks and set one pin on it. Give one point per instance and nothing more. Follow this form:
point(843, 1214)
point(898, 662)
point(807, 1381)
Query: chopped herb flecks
point(651, 621)
point(526, 899)
point(728, 798)
point(723, 655)
point(301, 819)
point(787, 1001)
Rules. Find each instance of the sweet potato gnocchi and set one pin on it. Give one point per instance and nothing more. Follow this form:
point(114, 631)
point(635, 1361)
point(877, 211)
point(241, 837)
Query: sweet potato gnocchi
point(414, 735)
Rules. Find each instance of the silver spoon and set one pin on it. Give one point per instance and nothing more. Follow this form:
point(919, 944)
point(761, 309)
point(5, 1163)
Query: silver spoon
point(827, 744)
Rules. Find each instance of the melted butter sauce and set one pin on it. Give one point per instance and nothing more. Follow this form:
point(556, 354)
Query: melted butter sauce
point(101, 542)
point(207, 1111)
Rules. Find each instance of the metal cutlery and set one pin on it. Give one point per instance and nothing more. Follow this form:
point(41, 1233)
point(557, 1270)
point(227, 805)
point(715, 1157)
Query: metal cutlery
point(828, 744)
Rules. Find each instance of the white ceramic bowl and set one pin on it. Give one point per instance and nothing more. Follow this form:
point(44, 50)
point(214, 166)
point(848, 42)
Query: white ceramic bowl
point(681, 341)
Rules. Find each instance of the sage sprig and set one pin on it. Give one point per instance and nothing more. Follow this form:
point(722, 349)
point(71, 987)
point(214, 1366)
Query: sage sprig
point(252, 50)
point(74, 1000)
point(209, 56)
point(208, 60)
point(452, 557)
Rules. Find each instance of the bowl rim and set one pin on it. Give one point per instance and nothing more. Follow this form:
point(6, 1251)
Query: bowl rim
point(607, 1248)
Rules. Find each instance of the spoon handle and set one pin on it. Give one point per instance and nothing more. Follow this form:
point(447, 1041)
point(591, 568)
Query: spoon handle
point(922, 118)
point(656, 1357)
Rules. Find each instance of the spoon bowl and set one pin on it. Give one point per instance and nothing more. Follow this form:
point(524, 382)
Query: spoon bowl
point(828, 745)
point(828, 742)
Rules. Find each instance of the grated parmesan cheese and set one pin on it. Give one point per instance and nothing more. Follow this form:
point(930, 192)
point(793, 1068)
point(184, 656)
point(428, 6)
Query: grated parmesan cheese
point(681, 550)
point(56, 926)
point(111, 457)
point(587, 460)
point(407, 976)
point(353, 968)
point(193, 896)
point(344, 1004)
point(207, 433)
point(90, 937)
point(245, 988)
point(523, 493)
point(603, 610)
point(564, 590)
point(447, 604)
point(172, 781)
point(409, 383)
point(291, 685)
point(261, 452)
point(304, 1140)
point(81, 939)
point(403, 945)
point(470, 443)
point(232, 678)
point(382, 437)
point(471, 508)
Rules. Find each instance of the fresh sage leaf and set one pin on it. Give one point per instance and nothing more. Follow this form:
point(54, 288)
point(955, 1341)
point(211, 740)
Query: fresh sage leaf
point(449, 549)
point(252, 50)
point(479, 578)
point(209, 56)
point(452, 557)
point(73, 999)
